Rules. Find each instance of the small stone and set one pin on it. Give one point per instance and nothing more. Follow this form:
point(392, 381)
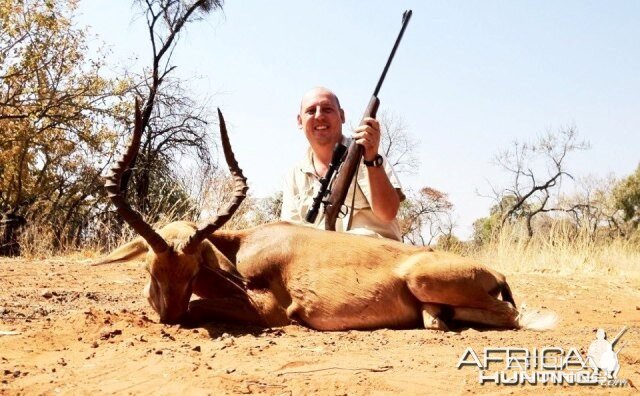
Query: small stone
point(197, 348)
point(230, 370)
point(159, 352)
point(47, 294)
point(95, 344)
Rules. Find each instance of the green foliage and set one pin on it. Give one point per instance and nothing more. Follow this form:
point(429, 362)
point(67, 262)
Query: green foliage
point(627, 198)
point(503, 208)
point(57, 116)
point(485, 227)
point(60, 121)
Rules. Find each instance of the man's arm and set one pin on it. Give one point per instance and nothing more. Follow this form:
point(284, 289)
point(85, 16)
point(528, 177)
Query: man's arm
point(385, 200)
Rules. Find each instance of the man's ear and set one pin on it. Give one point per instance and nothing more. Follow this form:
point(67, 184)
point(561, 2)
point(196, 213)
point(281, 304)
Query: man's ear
point(341, 115)
point(300, 121)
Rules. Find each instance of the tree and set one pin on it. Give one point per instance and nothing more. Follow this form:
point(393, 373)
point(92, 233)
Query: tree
point(484, 228)
point(450, 242)
point(425, 214)
point(57, 117)
point(397, 144)
point(592, 209)
point(177, 132)
point(529, 193)
point(626, 196)
point(174, 124)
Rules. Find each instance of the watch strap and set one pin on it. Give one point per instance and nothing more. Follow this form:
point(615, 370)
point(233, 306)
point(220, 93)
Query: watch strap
point(376, 163)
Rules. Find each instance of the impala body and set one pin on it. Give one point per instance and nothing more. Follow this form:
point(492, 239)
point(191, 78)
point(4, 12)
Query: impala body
point(277, 274)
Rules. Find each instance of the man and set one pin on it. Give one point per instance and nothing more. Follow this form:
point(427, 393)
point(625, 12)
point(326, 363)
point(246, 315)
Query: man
point(378, 194)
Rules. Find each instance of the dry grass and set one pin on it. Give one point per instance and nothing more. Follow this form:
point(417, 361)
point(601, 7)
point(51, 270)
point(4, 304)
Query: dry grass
point(560, 250)
point(39, 239)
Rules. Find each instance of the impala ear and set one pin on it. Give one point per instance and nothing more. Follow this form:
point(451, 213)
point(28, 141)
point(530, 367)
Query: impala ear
point(128, 252)
point(213, 259)
point(209, 255)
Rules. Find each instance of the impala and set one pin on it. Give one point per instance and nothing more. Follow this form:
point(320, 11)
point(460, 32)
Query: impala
point(280, 273)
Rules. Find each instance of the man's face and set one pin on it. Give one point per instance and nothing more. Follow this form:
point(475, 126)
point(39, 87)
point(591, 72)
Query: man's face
point(321, 118)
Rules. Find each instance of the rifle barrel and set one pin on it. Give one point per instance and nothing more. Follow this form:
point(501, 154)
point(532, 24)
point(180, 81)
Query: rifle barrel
point(406, 16)
point(620, 334)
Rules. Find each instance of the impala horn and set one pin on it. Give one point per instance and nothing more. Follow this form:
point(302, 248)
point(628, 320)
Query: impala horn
point(240, 192)
point(114, 191)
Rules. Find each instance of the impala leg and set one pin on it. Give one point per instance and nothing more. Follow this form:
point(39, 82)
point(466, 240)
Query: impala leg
point(433, 317)
point(468, 288)
point(225, 309)
point(260, 308)
point(501, 317)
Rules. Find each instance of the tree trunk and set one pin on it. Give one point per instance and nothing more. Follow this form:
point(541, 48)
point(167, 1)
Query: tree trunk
point(9, 231)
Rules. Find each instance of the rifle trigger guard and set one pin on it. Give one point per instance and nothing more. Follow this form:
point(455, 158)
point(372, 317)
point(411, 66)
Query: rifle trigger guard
point(344, 211)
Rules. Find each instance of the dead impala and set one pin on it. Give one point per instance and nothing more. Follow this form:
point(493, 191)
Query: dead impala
point(276, 274)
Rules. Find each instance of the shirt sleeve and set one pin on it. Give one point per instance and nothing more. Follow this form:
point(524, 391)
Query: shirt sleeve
point(290, 210)
point(393, 178)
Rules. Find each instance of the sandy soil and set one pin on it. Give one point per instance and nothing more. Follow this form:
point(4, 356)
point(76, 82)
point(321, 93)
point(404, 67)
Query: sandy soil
point(72, 329)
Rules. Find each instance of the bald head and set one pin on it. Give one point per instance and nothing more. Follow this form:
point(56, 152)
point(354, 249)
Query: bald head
point(315, 92)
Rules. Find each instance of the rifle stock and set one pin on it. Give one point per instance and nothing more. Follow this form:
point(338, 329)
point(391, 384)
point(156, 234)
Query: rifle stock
point(347, 171)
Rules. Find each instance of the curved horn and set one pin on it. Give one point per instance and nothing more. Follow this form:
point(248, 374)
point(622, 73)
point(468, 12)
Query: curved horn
point(112, 186)
point(240, 192)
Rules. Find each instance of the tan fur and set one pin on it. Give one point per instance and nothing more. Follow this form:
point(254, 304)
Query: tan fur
point(280, 273)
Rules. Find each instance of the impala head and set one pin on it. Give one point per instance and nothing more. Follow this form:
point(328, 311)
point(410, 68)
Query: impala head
point(176, 253)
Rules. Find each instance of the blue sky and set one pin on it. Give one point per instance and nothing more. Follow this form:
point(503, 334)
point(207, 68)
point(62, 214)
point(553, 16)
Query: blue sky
point(469, 78)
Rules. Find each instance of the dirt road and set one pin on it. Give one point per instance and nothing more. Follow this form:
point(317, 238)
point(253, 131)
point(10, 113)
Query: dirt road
point(72, 329)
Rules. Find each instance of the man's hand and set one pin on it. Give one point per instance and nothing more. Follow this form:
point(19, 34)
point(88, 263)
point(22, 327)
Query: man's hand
point(368, 136)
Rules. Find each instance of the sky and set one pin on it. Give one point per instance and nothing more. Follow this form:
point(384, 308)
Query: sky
point(468, 80)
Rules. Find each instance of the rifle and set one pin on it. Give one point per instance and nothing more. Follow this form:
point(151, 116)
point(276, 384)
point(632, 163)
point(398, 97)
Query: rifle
point(336, 159)
point(617, 337)
point(350, 162)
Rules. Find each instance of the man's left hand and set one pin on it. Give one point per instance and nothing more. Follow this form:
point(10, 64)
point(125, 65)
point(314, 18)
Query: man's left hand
point(368, 136)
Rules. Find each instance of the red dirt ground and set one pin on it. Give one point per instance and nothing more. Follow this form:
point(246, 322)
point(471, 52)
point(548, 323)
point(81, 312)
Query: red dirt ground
point(69, 328)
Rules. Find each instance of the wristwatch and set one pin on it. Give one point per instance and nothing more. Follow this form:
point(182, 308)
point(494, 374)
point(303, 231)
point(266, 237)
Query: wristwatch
point(376, 163)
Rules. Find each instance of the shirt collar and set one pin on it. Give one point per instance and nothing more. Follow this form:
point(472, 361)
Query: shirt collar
point(306, 165)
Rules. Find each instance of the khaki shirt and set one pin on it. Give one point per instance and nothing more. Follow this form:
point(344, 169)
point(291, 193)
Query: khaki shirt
point(302, 183)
